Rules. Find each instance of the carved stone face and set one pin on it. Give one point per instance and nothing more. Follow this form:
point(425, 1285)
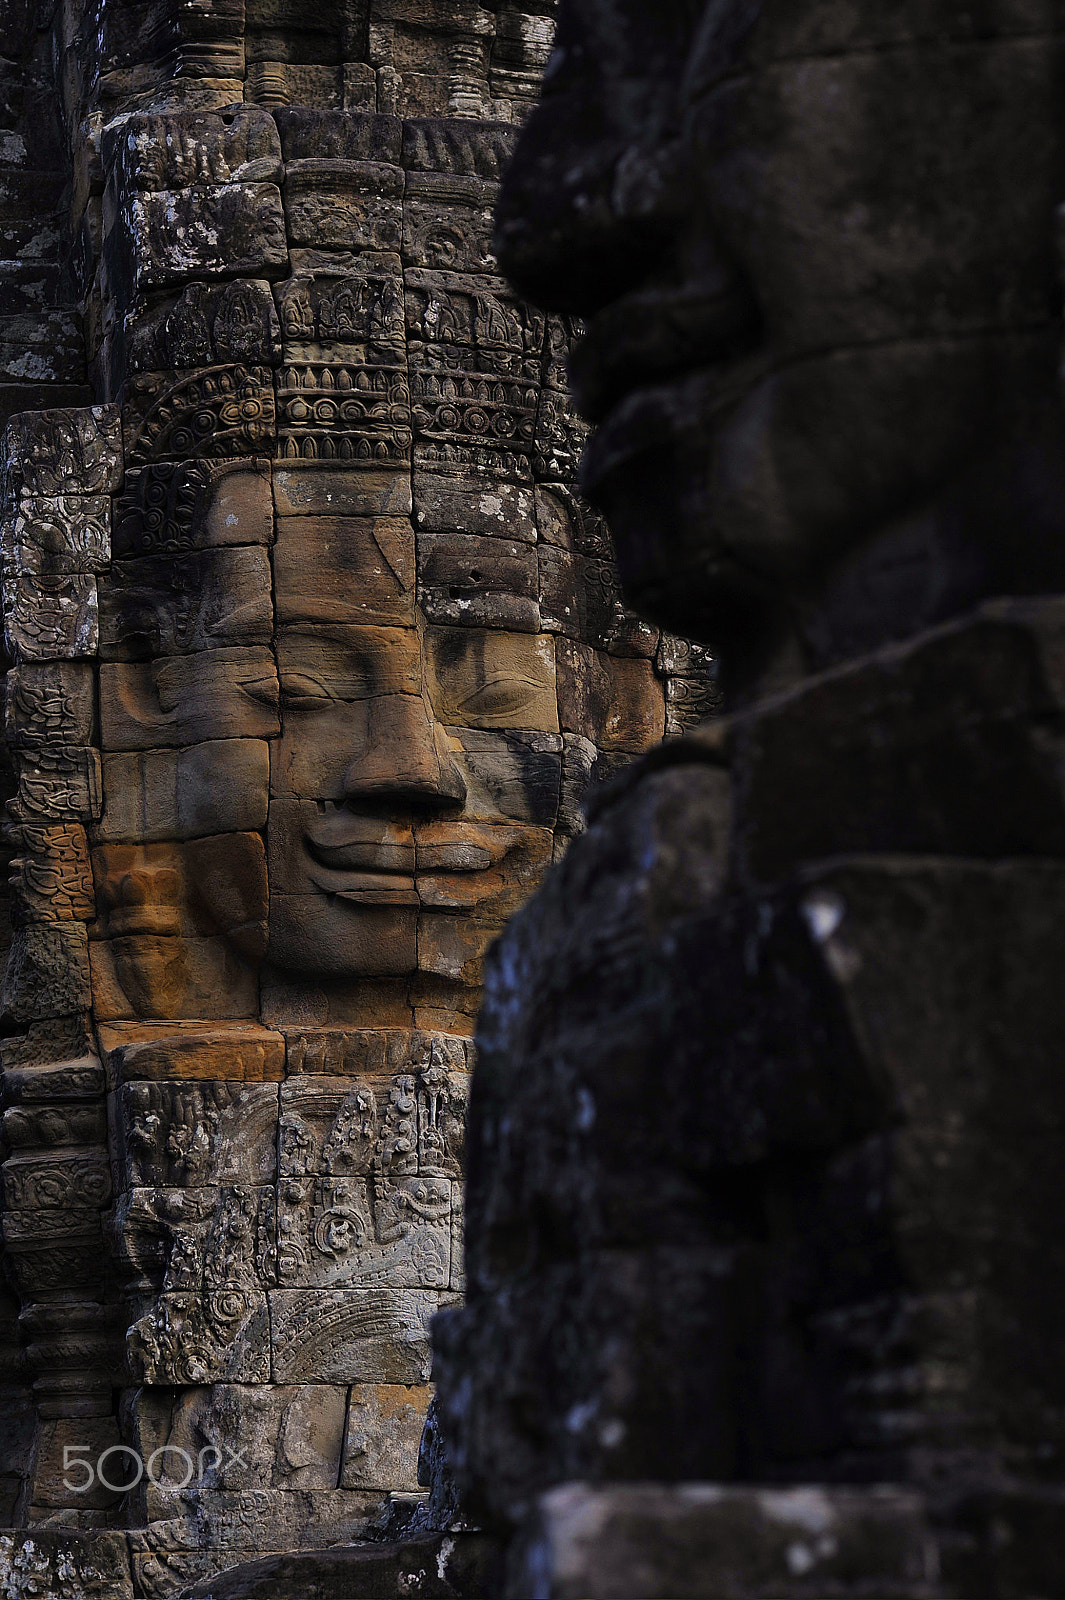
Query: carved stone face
point(388, 846)
point(813, 246)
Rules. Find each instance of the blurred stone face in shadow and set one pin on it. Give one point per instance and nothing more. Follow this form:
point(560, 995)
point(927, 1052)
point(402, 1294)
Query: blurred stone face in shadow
point(813, 245)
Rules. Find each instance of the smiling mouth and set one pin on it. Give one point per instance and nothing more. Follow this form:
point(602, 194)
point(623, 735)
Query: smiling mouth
point(370, 873)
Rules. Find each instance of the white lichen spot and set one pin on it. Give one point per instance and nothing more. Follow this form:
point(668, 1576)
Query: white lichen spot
point(823, 911)
point(443, 1556)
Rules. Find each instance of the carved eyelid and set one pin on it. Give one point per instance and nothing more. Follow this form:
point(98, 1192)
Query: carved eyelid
point(496, 692)
point(304, 686)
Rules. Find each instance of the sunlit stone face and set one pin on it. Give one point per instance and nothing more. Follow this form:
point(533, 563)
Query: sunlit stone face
point(392, 842)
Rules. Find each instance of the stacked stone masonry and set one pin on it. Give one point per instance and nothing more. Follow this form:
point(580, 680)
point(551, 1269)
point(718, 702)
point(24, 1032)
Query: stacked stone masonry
point(313, 651)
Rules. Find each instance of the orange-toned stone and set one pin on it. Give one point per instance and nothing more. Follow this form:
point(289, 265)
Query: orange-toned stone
point(236, 1052)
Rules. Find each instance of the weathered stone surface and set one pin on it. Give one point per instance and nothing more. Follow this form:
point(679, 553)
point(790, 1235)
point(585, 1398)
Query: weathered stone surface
point(228, 693)
point(148, 153)
point(478, 582)
point(194, 505)
point(221, 786)
point(49, 704)
point(211, 231)
point(51, 880)
point(314, 572)
point(343, 307)
point(382, 1435)
point(578, 596)
point(240, 1052)
point(206, 325)
point(282, 301)
point(322, 489)
point(612, 700)
point(288, 1436)
point(449, 505)
point(354, 1335)
point(47, 972)
point(57, 534)
point(169, 605)
point(692, 1539)
point(58, 783)
point(170, 975)
point(50, 617)
point(67, 1564)
point(193, 1338)
point(31, 1183)
point(486, 678)
point(198, 1133)
point(78, 451)
point(226, 410)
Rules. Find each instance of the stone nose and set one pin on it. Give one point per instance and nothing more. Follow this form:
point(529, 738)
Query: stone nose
point(405, 760)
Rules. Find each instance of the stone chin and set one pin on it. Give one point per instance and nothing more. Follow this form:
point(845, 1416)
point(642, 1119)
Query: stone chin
point(315, 934)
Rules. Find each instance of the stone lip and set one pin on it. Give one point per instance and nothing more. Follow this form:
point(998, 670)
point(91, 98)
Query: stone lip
point(442, 1564)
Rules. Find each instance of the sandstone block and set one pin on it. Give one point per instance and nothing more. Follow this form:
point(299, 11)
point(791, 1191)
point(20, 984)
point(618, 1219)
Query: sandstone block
point(300, 835)
point(578, 596)
point(486, 678)
point(323, 489)
point(241, 1052)
point(308, 134)
point(447, 223)
point(51, 880)
point(476, 581)
point(193, 505)
point(351, 204)
point(49, 703)
point(50, 617)
point(383, 1433)
point(220, 786)
point(351, 1335)
point(219, 411)
point(345, 570)
point(58, 783)
point(449, 505)
point(345, 308)
point(192, 1338)
point(514, 775)
point(57, 534)
point(288, 1436)
point(68, 1563)
point(373, 1051)
point(170, 605)
point(567, 522)
point(201, 1133)
point(149, 152)
point(345, 662)
point(59, 452)
point(479, 869)
point(76, 1180)
point(47, 972)
point(613, 700)
point(229, 693)
point(217, 231)
point(206, 325)
point(170, 976)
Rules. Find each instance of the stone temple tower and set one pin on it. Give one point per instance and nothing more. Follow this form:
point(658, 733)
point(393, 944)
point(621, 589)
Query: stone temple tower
point(311, 651)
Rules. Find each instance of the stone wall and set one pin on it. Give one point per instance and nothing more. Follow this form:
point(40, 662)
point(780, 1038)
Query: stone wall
point(313, 650)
